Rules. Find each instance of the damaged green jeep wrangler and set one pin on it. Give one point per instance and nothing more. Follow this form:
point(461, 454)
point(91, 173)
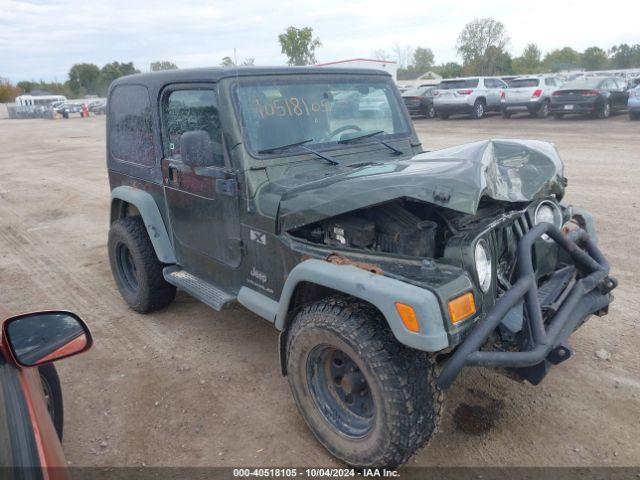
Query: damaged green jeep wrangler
point(304, 195)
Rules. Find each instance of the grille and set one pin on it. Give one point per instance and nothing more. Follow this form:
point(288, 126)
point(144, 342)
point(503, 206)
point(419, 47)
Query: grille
point(505, 240)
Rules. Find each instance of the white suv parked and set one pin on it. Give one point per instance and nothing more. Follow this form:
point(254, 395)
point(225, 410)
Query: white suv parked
point(531, 93)
point(470, 95)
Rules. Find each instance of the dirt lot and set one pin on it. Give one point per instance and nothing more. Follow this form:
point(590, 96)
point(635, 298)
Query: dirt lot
point(189, 386)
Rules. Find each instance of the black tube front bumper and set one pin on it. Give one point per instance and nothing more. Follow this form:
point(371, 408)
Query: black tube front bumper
point(589, 294)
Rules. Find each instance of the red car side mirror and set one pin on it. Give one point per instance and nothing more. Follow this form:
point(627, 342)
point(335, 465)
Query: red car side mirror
point(42, 337)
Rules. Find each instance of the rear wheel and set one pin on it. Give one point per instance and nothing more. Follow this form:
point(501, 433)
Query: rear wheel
point(135, 267)
point(52, 395)
point(478, 109)
point(368, 399)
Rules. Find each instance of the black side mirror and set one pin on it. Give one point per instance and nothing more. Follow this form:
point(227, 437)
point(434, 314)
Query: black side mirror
point(196, 148)
point(42, 337)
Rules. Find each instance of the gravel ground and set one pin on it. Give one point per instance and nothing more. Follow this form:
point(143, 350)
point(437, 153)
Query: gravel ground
point(190, 386)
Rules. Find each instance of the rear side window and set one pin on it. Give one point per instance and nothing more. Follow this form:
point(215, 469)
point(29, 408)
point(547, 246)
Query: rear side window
point(452, 84)
point(523, 83)
point(192, 110)
point(130, 125)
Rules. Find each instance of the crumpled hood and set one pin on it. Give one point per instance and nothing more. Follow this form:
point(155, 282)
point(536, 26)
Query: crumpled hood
point(456, 178)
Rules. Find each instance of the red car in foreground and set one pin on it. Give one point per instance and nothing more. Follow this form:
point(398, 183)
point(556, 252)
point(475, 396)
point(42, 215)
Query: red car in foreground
point(30, 397)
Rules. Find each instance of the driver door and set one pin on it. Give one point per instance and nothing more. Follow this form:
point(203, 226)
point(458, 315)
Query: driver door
point(200, 187)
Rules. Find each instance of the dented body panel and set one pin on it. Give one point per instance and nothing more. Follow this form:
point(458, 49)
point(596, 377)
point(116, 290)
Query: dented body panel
point(291, 208)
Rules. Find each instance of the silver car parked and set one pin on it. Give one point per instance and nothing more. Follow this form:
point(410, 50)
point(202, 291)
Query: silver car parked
point(473, 96)
point(529, 94)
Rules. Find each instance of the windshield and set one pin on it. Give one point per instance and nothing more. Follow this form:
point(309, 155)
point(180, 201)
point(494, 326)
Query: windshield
point(462, 83)
point(323, 109)
point(524, 82)
point(419, 92)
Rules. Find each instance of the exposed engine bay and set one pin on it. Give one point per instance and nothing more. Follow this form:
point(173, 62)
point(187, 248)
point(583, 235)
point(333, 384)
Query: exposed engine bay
point(403, 227)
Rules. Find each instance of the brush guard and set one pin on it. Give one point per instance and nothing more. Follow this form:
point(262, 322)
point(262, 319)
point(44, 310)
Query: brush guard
point(588, 295)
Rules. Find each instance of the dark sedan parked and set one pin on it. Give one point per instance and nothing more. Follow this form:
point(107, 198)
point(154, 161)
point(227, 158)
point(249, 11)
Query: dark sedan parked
point(598, 97)
point(419, 101)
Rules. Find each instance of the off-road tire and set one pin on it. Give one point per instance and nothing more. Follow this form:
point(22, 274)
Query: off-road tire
point(53, 396)
point(151, 291)
point(407, 403)
point(479, 109)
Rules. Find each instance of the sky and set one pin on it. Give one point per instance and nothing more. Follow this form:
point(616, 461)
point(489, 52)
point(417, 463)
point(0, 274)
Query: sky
point(42, 39)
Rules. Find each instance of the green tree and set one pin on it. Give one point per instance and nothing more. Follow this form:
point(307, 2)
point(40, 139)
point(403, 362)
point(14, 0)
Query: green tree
point(563, 59)
point(482, 45)
point(26, 86)
point(594, 58)
point(113, 70)
point(299, 45)
point(83, 78)
point(529, 61)
point(163, 65)
point(227, 62)
point(449, 70)
point(423, 59)
point(625, 56)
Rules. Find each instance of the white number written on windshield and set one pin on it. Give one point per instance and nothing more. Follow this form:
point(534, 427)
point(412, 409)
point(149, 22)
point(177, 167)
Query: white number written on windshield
point(291, 107)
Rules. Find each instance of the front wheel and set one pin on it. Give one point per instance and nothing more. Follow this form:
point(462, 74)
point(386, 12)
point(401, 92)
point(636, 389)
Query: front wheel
point(430, 112)
point(605, 110)
point(52, 396)
point(478, 109)
point(369, 400)
point(543, 110)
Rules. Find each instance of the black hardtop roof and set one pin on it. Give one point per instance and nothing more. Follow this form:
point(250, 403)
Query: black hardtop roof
point(217, 73)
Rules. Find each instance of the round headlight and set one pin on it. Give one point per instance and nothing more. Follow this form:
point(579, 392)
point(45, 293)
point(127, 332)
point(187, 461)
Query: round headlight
point(483, 265)
point(548, 212)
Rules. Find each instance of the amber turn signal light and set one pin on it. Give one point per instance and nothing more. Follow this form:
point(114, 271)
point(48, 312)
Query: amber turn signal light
point(408, 317)
point(461, 307)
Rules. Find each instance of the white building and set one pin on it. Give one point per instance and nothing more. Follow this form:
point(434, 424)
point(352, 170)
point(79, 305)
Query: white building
point(388, 66)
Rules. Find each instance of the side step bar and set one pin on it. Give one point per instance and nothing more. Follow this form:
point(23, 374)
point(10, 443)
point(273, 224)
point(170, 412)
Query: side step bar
point(204, 291)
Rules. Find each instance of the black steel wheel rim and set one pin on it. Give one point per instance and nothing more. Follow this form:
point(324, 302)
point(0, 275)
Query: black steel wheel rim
point(126, 267)
point(340, 391)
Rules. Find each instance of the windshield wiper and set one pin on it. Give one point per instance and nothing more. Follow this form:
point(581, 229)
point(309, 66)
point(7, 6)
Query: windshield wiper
point(301, 145)
point(373, 134)
point(285, 147)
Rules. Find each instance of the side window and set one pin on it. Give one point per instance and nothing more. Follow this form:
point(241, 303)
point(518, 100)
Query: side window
point(489, 83)
point(501, 84)
point(188, 111)
point(130, 125)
